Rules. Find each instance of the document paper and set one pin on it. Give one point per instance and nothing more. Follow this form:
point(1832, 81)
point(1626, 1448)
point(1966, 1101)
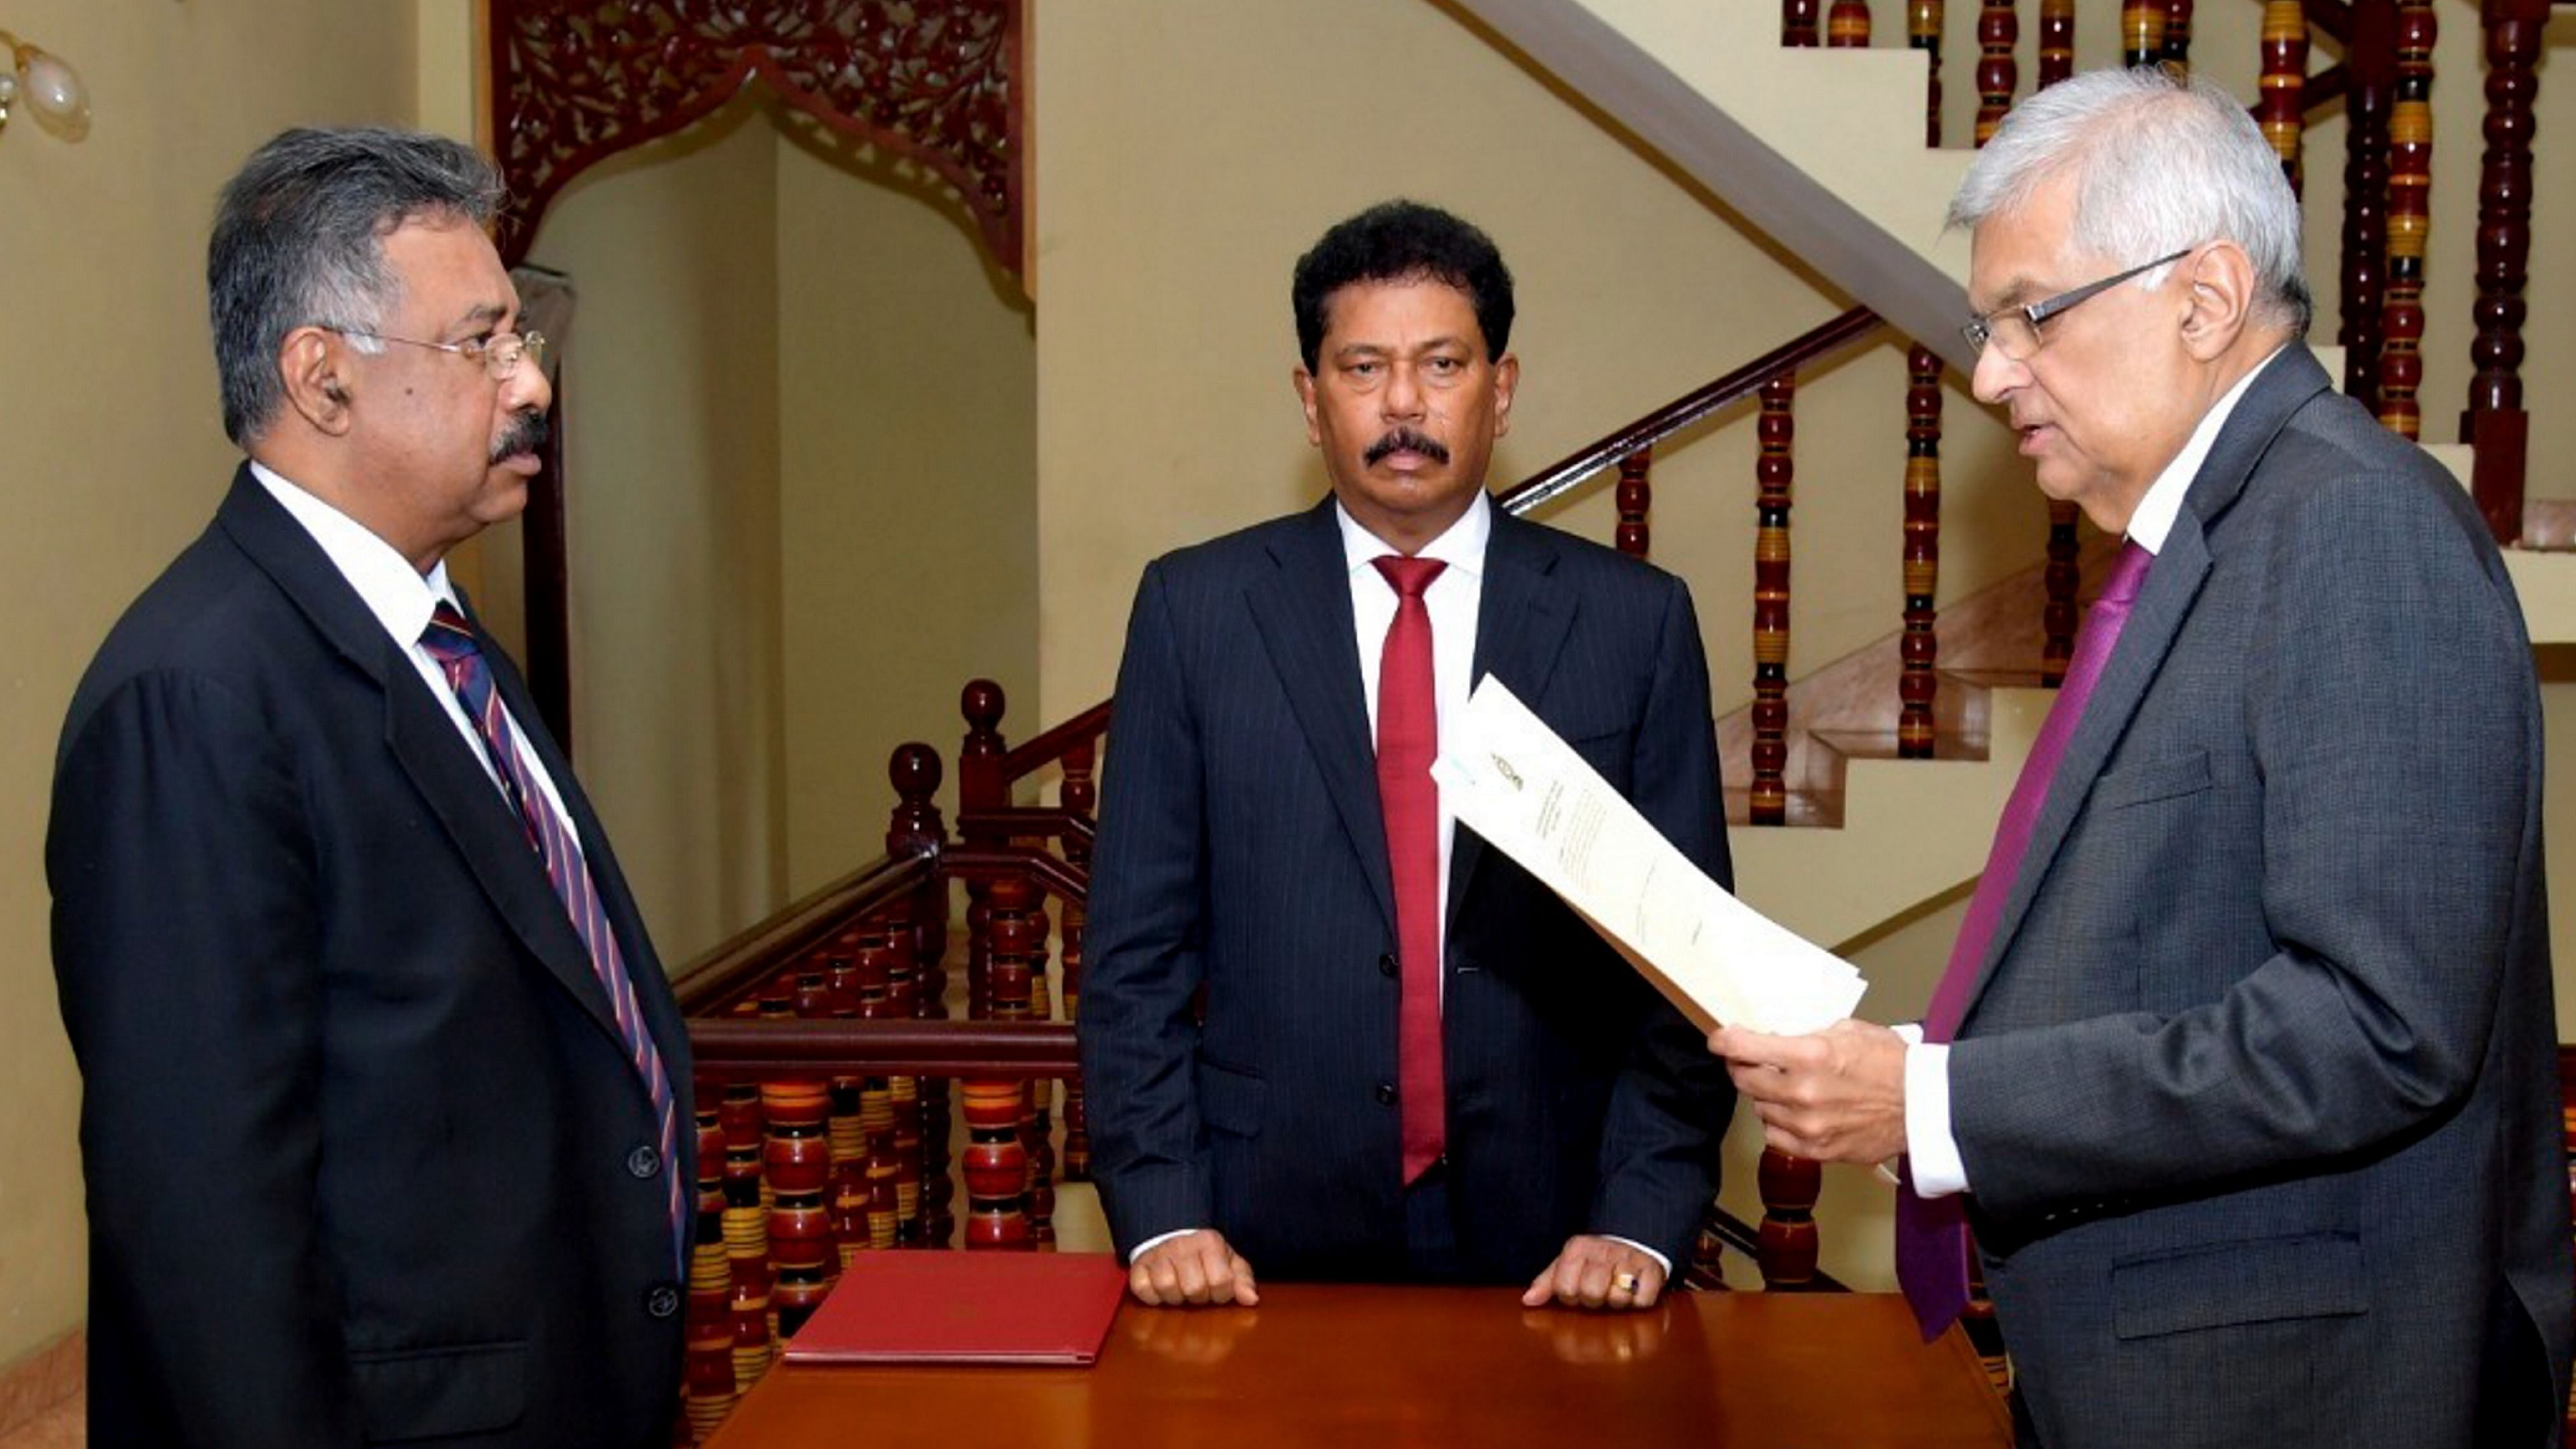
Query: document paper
point(1512, 780)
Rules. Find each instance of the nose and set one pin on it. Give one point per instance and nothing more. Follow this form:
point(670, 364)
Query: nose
point(1995, 375)
point(1401, 399)
point(526, 387)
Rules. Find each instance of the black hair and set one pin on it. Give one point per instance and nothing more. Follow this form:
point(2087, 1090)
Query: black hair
point(1403, 241)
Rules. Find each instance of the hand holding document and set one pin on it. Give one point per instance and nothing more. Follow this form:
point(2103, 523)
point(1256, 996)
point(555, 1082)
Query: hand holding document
point(1512, 780)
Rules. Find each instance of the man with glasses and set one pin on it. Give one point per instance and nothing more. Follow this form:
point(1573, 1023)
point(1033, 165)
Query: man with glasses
point(2242, 1069)
point(386, 1115)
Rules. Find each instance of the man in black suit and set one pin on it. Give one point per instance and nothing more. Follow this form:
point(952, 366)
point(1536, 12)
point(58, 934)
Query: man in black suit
point(1389, 1079)
point(384, 1082)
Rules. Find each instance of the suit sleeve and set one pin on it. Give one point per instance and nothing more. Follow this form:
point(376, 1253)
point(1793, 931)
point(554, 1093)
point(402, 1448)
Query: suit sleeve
point(1145, 940)
point(1669, 1109)
point(186, 946)
point(2391, 720)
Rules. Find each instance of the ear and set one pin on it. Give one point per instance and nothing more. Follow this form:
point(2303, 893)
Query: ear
point(1305, 382)
point(310, 362)
point(2220, 301)
point(1507, 377)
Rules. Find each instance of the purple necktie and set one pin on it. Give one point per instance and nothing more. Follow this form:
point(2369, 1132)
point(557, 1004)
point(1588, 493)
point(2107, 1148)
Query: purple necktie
point(1931, 1233)
point(451, 642)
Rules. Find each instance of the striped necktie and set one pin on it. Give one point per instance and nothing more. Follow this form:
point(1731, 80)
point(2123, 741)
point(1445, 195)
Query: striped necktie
point(450, 641)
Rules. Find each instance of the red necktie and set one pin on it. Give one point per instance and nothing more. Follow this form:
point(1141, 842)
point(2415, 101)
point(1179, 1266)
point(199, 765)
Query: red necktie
point(450, 641)
point(1931, 1233)
point(1408, 736)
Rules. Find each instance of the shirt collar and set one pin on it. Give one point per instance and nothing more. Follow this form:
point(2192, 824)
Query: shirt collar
point(401, 598)
point(2154, 519)
point(1461, 545)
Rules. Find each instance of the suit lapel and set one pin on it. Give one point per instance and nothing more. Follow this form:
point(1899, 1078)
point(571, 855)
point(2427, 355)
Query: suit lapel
point(1302, 610)
point(2173, 584)
point(423, 740)
point(1521, 623)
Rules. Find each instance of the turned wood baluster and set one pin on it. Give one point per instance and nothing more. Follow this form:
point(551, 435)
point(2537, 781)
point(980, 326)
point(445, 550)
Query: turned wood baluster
point(1923, 32)
point(1636, 499)
point(1998, 28)
point(2283, 108)
point(1920, 649)
point(2056, 41)
point(707, 1391)
point(797, 1160)
point(918, 987)
point(1770, 794)
point(2410, 220)
point(2370, 65)
point(1798, 23)
point(1019, 977)
point(1788, 1236)
point(2177, 56)
point(2494, 420)
point(2142, 31)
point(1000, 1162)
point(1847, 25)
point(2057, 614)
point(980, 786)
point(745, 1225)
point(1081, 796)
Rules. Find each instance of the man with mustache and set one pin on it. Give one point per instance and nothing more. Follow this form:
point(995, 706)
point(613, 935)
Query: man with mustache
point(1324, 1031)
point(386, 1096)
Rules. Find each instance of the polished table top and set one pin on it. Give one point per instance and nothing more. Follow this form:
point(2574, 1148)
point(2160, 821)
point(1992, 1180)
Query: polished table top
point(1346, 1366)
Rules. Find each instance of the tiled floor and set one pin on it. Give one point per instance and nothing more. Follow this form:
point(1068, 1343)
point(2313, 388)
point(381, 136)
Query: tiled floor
point(60, 1427)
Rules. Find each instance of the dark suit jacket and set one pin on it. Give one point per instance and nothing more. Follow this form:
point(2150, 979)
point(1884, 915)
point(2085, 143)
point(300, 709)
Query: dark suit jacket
point(361, 1143)
point(2257, 1095)
point(1242, 849)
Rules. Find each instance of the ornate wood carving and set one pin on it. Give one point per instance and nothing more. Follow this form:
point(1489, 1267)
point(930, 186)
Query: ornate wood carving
point(937, 82)
point(1919, 649)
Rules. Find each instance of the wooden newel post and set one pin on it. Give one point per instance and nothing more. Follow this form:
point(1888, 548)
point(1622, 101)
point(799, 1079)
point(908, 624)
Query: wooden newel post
point(980, 787)
point(1788, 1239)
point(917, 986)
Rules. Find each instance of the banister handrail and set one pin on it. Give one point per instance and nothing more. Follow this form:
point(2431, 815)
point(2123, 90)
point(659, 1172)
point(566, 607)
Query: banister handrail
point(718, 971)
point(747, 1047)
point(1047, 748)
point(1568, 472)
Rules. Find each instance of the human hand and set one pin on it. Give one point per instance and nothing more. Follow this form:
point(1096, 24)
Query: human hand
point(1598, 1272)
point(1193, 1268)
point(1835, 1096)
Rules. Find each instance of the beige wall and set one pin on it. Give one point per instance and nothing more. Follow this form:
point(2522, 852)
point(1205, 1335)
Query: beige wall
point(1169, 216)
point(908, 400)
point(116, 454)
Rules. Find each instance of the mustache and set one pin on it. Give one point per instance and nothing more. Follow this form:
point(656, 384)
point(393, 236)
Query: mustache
point(527, 434)
point(1405, 440)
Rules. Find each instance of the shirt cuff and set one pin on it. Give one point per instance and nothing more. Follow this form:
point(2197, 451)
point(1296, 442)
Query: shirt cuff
point(1157, 1240)
point(1932, 1151)
point(1660, 1260)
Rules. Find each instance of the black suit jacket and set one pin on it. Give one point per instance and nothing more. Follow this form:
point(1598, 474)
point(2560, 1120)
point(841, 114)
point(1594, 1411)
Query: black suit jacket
point(1242, 849)
point(365, 1158)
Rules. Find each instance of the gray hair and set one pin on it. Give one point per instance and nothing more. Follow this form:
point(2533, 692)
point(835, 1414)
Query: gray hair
point(2161, 165)
point(298, 242)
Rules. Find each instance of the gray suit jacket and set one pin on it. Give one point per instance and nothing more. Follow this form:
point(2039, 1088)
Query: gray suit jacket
point(2257, 1092)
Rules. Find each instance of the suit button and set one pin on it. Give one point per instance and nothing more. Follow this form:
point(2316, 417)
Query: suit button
point(1386, 1094)
point(1387, 965)
point(643, 1162)
point(661, 1300)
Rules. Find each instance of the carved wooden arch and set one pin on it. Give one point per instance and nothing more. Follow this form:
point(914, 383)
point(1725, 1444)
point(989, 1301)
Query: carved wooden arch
point(938, 82)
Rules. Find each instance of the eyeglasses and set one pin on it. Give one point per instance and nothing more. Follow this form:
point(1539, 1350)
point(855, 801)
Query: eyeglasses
point(2014, 331)
point(499, 353)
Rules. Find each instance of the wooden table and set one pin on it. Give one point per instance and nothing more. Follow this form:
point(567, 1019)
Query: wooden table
point(1351, 1367)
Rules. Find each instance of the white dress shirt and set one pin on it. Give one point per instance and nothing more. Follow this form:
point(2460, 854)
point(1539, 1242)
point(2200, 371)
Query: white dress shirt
point(1932, 1149)
point(402, 600)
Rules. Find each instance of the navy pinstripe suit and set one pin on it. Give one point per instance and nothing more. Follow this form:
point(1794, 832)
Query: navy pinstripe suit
point(1242, 849)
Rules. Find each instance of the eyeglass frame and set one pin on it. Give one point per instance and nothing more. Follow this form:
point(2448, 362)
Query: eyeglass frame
point(532, 348)
point(1979, 331)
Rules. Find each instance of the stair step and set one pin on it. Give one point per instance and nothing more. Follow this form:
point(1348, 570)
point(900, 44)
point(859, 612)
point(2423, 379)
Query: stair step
point(1882, 745)
point(1811, 809)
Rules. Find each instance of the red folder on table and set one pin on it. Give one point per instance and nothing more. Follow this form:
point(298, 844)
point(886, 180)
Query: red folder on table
point(959, 1307)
